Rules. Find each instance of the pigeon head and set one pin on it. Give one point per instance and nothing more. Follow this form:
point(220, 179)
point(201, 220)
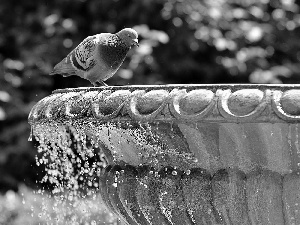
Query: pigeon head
point(128, 36)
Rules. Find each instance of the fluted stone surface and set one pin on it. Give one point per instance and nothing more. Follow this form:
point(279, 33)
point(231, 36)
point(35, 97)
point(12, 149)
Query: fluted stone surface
point(171, 196)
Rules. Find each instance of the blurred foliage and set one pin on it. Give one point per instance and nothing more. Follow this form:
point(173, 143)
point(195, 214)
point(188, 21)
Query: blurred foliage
point(181, 41)
point(40, 209)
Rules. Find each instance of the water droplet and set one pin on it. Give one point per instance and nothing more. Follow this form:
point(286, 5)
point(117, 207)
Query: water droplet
point(171, 126)
point(31, 134)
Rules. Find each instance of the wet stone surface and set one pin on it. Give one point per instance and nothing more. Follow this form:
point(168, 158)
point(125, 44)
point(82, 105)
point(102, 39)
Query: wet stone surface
point(141, 195)
point(168, 173)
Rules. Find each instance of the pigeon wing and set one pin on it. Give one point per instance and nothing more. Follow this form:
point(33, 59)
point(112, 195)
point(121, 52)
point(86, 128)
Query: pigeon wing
point(64, 68)
point(79, 60)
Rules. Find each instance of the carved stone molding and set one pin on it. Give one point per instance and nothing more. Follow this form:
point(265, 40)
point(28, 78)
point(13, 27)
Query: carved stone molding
point(211, 127)
point(210, 103)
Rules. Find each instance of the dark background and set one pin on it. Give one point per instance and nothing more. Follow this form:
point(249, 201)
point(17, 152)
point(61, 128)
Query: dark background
point(181, 41)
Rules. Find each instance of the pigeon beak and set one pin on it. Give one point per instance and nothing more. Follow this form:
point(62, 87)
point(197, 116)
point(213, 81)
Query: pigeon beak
point(135, 42)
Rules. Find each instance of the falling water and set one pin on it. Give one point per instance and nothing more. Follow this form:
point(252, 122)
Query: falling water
point(73, 158)
point(73, 163)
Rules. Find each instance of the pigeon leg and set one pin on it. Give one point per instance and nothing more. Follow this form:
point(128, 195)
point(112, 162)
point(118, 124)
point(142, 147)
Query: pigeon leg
point(99, 84)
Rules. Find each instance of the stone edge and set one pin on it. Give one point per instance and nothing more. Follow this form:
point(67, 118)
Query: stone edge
point(190, 103)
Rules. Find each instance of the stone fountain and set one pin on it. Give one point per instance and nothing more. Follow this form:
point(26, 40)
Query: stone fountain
point(182, 154)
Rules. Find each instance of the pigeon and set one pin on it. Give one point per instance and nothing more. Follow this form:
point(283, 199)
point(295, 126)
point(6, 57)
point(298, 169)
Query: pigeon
point(98, 57)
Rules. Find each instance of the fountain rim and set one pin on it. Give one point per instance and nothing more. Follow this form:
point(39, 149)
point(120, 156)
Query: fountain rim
point(213, 103)
point(233, 87)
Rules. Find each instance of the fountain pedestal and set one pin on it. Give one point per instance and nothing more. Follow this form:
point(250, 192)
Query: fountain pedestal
point(195, 154)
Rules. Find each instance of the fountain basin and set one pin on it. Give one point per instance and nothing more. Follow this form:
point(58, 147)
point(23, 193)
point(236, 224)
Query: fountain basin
point(194, 154)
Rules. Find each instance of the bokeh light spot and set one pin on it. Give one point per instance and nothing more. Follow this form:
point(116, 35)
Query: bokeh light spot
point(177, 22)
point(68, 43)
point(4, 96)
point(125, 74)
